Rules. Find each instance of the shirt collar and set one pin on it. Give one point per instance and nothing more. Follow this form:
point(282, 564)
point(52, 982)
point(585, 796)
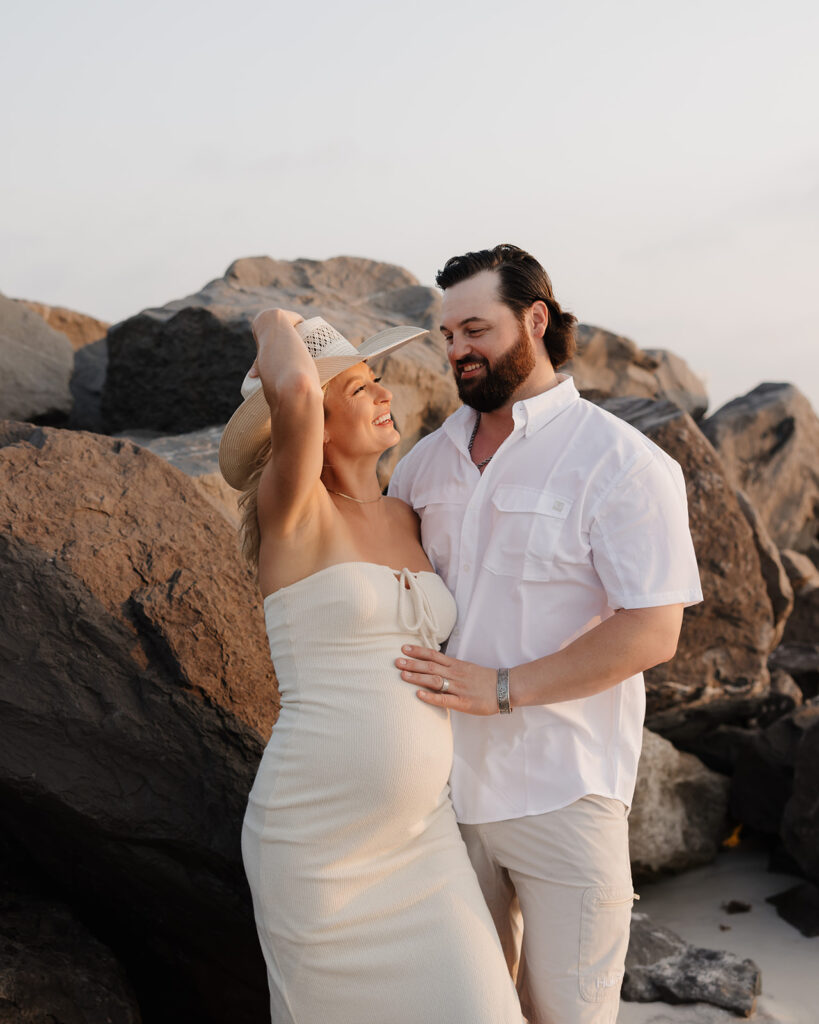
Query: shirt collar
point(530, 414)
point(535, 412)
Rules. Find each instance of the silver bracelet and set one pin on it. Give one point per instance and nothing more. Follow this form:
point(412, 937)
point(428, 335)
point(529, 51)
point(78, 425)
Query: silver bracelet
point(503, 691)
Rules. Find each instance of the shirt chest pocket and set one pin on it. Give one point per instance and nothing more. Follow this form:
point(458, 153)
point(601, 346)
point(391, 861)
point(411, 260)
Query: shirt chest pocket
point(526, 530)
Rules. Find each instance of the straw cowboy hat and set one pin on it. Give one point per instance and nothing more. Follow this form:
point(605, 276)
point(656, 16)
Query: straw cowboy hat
point(249, 426)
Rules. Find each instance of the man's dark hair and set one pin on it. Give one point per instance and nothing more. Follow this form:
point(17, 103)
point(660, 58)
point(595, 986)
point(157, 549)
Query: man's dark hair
point(523, 281)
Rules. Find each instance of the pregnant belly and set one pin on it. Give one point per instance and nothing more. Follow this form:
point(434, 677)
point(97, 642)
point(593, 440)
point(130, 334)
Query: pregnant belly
point(370, 766)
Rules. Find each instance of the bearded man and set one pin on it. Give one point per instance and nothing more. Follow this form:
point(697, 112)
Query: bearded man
point(563, 534)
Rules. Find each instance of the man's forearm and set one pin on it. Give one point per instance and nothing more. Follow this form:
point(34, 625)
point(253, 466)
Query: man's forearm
point(630, 641)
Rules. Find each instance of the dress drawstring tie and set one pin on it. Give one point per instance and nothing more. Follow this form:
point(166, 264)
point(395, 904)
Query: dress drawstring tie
point(414, 610)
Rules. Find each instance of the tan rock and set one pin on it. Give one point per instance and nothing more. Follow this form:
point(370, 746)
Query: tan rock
point(777, 583)
point(611, 366)
point(79, 328)
point(677, 819)
point(802, 572)
point(803, 624)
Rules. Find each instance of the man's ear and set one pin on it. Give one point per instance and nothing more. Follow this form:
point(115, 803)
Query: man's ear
point(540, 318)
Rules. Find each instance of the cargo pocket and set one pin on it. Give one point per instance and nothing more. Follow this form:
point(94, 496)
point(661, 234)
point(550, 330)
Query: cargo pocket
point(604, 927)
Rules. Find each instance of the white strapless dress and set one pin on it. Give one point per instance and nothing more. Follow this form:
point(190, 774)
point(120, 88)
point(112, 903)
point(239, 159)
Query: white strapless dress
point(367, 908)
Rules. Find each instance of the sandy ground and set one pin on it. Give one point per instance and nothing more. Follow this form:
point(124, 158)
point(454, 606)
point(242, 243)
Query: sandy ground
point(690, 905)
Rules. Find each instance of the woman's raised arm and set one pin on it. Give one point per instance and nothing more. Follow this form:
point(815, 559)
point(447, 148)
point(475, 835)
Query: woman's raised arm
point(291, 388)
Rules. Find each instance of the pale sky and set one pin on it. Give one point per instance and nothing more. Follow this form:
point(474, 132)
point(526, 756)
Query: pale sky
point(660, 159)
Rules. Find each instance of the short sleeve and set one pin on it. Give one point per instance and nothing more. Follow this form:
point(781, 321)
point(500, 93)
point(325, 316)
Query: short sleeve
point(641, 544)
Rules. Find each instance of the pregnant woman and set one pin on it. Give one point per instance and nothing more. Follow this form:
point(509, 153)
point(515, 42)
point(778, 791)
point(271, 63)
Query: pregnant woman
point(367, 908)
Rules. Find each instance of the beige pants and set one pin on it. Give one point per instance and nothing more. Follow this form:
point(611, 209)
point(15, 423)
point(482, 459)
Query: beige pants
point(567, 875)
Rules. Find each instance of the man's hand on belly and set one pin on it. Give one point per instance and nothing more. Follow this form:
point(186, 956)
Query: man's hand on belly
point(469, 687)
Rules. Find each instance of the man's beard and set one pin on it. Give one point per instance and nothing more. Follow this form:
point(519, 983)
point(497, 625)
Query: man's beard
point(501, 379)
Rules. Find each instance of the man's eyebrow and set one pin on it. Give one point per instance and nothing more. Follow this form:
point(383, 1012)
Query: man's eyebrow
point(463, 323)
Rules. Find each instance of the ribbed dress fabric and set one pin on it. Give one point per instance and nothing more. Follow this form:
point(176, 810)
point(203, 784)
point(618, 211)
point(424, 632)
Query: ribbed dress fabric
point(366, 905)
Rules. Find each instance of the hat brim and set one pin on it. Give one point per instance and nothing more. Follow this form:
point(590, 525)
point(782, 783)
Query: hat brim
point(249, 427)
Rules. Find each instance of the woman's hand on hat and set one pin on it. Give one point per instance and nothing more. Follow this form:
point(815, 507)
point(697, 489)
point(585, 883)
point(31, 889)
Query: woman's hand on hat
point(270, 316)
point(469, 688)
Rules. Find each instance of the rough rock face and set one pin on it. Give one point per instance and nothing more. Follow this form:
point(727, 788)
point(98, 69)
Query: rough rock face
point(801, 661)
point(800, 821)
point(52, 968)
point(678, 816)
point(179, 368)
point(35, 365)
point(662, 966)
point(799, 906)
point(610, 366)
point(777, 581)
point(768, 440)
point(137, 697)
point(720, 670)
point(79, 328)
point(197, 455)
point(803, 624)
point(87, 337)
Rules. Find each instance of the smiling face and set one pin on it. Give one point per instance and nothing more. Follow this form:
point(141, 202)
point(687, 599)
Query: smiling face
point(493, 354)
point(357, 418)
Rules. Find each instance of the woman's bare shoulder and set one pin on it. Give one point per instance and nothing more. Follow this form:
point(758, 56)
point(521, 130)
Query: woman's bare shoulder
point(403, 513)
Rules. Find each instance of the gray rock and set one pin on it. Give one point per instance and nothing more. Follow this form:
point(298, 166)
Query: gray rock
point(768, 440)
point(35, 366)
point(677, 819)
point(662, 966)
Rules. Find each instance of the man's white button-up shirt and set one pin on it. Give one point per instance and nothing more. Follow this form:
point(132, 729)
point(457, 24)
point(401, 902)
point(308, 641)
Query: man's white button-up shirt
point(578, 514)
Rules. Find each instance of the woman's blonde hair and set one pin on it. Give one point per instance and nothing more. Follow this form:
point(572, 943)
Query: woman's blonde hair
point(249, 504)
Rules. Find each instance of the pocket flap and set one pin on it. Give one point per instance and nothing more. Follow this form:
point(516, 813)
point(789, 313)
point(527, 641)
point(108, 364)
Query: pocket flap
point(512, 498)
point(447, 494)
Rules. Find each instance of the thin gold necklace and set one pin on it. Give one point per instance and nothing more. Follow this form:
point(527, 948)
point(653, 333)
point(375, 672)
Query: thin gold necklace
point(361, 501)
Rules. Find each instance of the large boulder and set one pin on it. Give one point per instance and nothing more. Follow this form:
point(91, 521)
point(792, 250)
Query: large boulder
point(677, 819)
point(763, 777)
point(197, 455)
point(610, 366)
point(137, 697)
point(768, 441)
point(35, 366)
point(179, 368)
point(720, 672)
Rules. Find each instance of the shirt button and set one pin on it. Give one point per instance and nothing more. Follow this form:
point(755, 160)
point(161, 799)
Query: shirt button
point(467, 567)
